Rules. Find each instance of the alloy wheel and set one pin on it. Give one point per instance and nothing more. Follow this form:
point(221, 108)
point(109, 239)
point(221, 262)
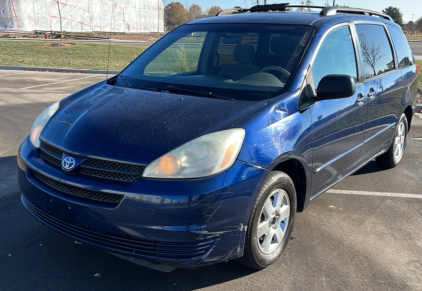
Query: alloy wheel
point(273, 221)
point(399, 142)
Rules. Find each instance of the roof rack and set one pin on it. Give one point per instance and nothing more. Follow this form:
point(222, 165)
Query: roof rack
point(325, 11)
point(349, 10)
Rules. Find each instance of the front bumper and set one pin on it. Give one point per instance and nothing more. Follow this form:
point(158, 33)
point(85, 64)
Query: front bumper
point(172, 223)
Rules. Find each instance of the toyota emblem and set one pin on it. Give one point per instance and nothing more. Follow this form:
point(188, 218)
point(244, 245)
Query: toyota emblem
point(68, 163)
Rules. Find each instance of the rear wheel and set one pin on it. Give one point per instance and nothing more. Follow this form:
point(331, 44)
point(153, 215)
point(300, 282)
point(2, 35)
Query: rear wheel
point(271, 222)
point(395, 153)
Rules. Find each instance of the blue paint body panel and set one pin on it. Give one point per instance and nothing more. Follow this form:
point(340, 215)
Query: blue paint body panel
point(165, 219)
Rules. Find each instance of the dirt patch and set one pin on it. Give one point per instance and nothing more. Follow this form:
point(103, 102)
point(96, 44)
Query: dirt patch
point(62, 45)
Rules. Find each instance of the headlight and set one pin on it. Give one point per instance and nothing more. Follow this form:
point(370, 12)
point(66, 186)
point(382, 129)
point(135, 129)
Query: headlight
point(40, 123)
point(204, 156)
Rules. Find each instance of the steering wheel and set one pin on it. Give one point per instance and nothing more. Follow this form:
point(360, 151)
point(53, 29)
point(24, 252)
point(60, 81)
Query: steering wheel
point(278, 69)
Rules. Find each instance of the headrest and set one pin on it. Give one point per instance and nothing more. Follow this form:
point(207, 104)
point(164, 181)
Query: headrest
point(244, 54)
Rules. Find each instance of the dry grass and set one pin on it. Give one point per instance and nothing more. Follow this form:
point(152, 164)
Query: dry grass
point(414, 37)
point(79, 56)
point(181, 60)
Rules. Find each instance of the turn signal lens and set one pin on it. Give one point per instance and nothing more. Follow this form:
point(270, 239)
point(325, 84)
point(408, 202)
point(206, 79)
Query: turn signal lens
point(169, 165)
point(35, 135)
point(230, 152)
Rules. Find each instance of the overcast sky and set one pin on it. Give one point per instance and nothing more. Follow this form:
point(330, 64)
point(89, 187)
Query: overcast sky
point(407, 7)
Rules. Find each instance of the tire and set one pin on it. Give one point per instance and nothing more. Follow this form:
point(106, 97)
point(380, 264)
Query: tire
point(260, 252)
point(394, 155)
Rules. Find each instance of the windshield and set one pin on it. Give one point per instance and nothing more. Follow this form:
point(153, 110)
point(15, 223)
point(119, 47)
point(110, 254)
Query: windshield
point(230, 61)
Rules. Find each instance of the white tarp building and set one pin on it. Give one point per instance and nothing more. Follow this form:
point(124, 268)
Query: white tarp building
point(83, 15)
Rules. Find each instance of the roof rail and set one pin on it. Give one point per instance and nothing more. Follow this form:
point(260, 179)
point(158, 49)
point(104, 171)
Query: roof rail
point(325, 11)
point(363, 12)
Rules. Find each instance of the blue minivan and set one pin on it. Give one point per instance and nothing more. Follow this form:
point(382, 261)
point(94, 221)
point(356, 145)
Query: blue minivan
point(203, 149)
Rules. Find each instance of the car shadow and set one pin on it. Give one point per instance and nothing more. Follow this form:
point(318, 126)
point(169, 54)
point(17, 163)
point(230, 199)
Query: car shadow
point(8, 168)
point(369, 168)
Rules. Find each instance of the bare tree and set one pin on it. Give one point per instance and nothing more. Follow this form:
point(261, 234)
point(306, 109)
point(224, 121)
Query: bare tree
point(90, 15)
point(305, 3)
point(371, 53)
point(60, 18)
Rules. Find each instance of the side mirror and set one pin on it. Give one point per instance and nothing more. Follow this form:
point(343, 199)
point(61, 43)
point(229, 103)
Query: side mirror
point(335, 87)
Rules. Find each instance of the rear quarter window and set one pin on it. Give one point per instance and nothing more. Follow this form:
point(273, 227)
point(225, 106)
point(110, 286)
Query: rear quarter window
point(404, 53)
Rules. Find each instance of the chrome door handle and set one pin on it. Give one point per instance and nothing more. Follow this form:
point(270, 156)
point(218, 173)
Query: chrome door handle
point(372, 94)
point(361, 99)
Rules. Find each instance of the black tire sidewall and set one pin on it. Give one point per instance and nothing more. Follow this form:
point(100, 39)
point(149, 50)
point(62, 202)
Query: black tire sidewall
point(278, 181)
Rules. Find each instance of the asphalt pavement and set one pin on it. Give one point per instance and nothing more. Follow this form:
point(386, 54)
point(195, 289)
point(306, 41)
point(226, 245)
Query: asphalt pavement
point(363, 235)
point(416, 47)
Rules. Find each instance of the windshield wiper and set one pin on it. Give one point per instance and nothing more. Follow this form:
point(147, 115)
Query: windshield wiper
point(127, 83)
point(207, 94)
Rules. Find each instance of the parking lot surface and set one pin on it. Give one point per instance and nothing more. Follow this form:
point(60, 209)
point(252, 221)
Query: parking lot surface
point(365, 234)
point(416, 47)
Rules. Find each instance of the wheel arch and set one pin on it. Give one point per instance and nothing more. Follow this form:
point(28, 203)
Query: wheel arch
point(297, 173)
point(409, 115)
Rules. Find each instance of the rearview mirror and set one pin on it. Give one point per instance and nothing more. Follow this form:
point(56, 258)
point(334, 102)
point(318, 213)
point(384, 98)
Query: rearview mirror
point(232, 39)
point(336, 87)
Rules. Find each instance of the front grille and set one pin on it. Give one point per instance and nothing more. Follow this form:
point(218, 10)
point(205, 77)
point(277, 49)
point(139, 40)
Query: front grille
point(75, 192)
point(95, 167)
point(132, 246)
point(51, 159)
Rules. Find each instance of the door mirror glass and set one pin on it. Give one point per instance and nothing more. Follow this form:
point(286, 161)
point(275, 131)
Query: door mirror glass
point(336, 87)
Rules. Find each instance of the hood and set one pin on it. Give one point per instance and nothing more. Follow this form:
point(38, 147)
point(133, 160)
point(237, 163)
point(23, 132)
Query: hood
point(138, 126)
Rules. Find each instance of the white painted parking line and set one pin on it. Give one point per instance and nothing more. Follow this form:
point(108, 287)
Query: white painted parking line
point(60, 82)
point(385, 194)
point(16, 74)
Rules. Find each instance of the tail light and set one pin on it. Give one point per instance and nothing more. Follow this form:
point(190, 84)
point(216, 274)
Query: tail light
point(417, 69)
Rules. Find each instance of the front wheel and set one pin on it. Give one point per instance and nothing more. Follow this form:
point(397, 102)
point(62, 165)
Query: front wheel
point(395, 153)
point(271, 222)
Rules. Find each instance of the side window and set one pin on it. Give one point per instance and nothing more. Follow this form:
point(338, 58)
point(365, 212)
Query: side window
point(335, 56)
point(404, 54)
point(376, 49)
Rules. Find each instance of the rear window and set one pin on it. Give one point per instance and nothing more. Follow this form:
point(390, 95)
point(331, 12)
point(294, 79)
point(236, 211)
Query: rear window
point(404, 53)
